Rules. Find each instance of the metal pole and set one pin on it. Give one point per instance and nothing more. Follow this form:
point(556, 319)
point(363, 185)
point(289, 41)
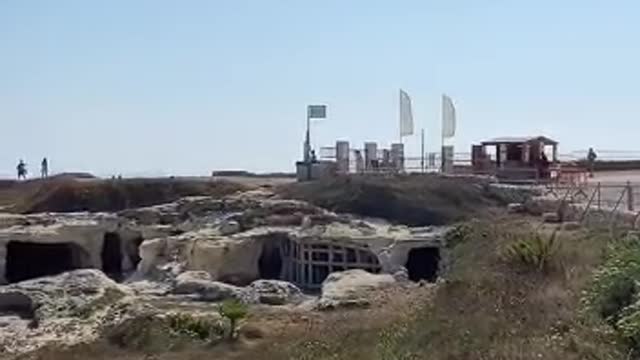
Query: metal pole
point(422, 149)
point(307, 152)
point(442, 152)
point(629, 196)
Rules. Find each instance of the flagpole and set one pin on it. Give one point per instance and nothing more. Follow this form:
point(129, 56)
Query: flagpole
point(422, 149)
point(400, 115)
point(442, 136)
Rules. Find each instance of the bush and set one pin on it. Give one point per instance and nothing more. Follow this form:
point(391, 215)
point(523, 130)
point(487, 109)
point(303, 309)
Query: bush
point(614, 286)
point(234, 311)
point(458, 234)
point(533, 250)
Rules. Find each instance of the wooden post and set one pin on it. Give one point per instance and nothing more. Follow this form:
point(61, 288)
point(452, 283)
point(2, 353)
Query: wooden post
point(598, 189)
point(309, 266)
point(629, 196)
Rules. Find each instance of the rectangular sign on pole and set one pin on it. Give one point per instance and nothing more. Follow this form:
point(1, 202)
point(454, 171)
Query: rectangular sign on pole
point(317, 111)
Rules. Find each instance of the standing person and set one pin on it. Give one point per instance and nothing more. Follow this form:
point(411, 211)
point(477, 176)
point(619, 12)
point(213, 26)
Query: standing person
point(544, 166)
point(44, 168)
point(22, 170)
point(591, 158)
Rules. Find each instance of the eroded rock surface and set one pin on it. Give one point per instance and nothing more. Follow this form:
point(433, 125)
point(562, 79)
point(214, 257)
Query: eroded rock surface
point(186, 254)
point(274, 292)
point(351, 288)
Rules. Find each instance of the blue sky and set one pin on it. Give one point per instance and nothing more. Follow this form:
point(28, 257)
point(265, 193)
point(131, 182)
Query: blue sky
point(184, 87)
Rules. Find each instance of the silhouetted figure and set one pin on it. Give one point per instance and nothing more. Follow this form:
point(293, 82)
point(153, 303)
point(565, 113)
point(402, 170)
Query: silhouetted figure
point(44, 168)
point(544, 166)
point(591, 158)
point(22, 170)
point(313, 156)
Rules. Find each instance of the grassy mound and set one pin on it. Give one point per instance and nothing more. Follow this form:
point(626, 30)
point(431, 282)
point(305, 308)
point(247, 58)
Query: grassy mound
point(415, 200)
point(64, 195)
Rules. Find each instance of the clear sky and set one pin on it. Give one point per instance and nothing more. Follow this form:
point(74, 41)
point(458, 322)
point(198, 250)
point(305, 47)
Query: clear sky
point(184, 87)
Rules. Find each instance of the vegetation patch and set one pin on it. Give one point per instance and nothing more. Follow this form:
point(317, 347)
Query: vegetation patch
point(614, 294)
point(488, 308)
point(532, 250)
point(65, 195)
point(415, 200)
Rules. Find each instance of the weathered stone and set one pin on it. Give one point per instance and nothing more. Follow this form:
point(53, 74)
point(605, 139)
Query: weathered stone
point(351, 288)
point(401, 275)
point(191, 282)
point(217, 291)
point(551, 217)
point(274, 292)
point(229, 227)
point(196, 283)
point(75, 293)
point(516, 208)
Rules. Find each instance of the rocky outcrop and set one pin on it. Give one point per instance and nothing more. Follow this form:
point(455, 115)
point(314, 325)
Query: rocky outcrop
point(236, 258)
point(75, 293)
point(224, 237)
point(199, 285)
point(351, 288)
point(274, 292)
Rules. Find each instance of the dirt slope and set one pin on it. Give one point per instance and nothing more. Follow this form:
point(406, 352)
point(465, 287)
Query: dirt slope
point(69, 195)
point(415, 200)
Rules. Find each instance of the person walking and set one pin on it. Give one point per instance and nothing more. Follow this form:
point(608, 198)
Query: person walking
point(591, 158)
point(44, 168)
point(22, 170)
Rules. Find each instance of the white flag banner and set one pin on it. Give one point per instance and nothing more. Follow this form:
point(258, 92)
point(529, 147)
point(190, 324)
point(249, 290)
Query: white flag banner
point(406, 115)
point(448, 117)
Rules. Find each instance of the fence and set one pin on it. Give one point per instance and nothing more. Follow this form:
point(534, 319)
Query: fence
point(429, 163)
point(612, 201)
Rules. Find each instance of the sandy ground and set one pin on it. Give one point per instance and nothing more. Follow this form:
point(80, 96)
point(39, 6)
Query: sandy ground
point(612, 185)
point(616, 177)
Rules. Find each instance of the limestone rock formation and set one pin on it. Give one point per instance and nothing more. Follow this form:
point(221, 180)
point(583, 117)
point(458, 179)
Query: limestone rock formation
point(236, 239)
point(274, 292)
point(351, 288)
point(69, 308)
point(199, 284)
point(74, 293)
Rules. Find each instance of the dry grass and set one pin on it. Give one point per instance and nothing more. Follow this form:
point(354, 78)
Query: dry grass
point(68, 195)
point(488, 309)
point(414, 200)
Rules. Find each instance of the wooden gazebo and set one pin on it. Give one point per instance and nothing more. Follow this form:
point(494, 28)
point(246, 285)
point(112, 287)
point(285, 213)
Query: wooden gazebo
point(517, 158)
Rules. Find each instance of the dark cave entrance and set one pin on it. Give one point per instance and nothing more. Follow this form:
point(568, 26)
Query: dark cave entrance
point(270, 261)
point(423, 264)
point(112, 256)
point(29, 260)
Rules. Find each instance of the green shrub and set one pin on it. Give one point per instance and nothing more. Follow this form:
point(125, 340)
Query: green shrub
point(533, 250)
point(458, 234)
point(234, 311)
point(628, 325)
point(614, 286)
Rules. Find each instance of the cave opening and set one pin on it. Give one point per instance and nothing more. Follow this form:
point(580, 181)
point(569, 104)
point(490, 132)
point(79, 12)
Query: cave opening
point(423, 264)
point(112, 256)
point(29, 260)
point(270, 261)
